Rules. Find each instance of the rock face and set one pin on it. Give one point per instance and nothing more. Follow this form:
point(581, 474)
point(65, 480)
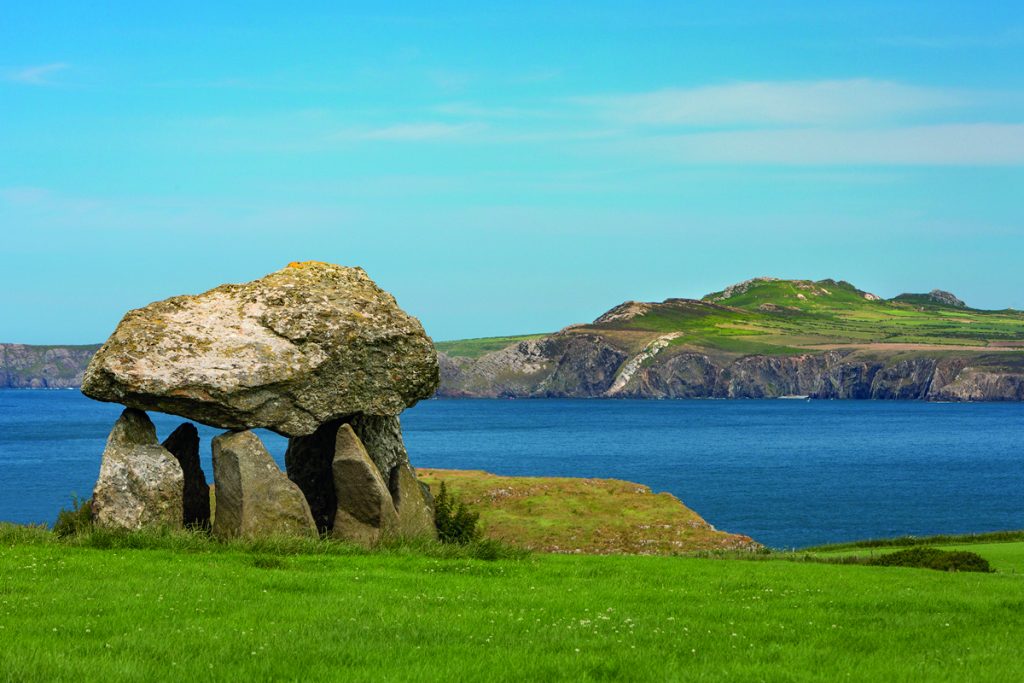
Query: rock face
point(946, 298)
point(23, 366)
point(365, 508)
point(183, 444)
point(140, 483)
point(587, 368)
point(291, 351)
point(254, 498)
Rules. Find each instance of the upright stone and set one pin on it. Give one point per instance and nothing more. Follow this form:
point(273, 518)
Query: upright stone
point(365, 510)
point(309, 462)
point(140, 483)
point(254, 498)
point(413, 502)
point(303, 346)
point(183, 444)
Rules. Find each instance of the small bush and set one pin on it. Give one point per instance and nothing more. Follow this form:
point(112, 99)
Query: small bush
point(75, 521)
point(933, 558)
point(456, 523)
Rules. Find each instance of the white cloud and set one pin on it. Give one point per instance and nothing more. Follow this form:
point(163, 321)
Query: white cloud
point(938, 145)
point(778, 103)
point(35, 75)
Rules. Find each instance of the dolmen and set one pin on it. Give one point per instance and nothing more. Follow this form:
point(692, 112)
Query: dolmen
point(315, 352)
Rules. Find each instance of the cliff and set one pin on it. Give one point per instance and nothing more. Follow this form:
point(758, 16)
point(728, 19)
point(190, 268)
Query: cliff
point(761, 338)
point(43, 367)
point(590, 371)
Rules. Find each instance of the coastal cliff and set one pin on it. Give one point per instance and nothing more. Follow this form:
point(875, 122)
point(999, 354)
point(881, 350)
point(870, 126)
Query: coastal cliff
point(688, 374)
point(23, 366)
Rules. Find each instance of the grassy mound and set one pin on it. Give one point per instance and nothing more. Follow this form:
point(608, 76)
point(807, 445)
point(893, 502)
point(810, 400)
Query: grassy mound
point(575, 515)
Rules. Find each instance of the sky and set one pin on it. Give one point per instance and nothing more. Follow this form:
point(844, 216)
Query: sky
point(504, 168)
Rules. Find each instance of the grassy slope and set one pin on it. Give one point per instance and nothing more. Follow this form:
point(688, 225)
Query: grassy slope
point(828, 313)
point(772, 318)
point(562, 514)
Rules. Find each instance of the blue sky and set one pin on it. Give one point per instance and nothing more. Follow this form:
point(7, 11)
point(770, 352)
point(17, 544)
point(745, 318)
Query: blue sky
point(505, 168)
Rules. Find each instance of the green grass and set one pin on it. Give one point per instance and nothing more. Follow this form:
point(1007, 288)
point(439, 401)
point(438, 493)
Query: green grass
point(198, 610)
point(474, 348)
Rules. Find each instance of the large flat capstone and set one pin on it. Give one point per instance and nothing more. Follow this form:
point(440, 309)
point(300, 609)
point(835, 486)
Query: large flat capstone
point(305, 345)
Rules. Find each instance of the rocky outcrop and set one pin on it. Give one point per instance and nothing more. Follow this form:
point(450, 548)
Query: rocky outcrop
point(23, 366)
point(583, 365)
point(629, 369)
point(365, 508)
point(291, 351)
point(140, 483)
point(254, 498)
point(183, 444)
point(683, 373)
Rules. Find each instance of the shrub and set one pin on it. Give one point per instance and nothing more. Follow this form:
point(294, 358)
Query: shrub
point(456, 523)
point(74, 521)
point(933, 558)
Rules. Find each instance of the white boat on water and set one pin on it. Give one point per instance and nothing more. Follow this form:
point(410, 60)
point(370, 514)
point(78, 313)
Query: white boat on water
point(795, 397)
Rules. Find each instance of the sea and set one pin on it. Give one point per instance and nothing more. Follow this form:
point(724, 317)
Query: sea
point(789, 473)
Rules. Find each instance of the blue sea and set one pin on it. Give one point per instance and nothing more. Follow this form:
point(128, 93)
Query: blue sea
point(787, 473)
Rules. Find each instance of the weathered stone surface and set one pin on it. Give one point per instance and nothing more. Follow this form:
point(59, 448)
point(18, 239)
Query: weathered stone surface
point(365, 510)
point(183, 444)
point(413, 503)
point(254, 498)
point(140, 483)
point(300, 347)
point(381, 435)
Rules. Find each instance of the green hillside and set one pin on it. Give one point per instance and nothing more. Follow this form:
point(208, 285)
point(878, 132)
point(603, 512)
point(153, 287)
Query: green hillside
point(768, 316)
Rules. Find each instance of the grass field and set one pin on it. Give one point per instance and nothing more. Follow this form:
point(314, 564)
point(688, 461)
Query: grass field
point(198, 610)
